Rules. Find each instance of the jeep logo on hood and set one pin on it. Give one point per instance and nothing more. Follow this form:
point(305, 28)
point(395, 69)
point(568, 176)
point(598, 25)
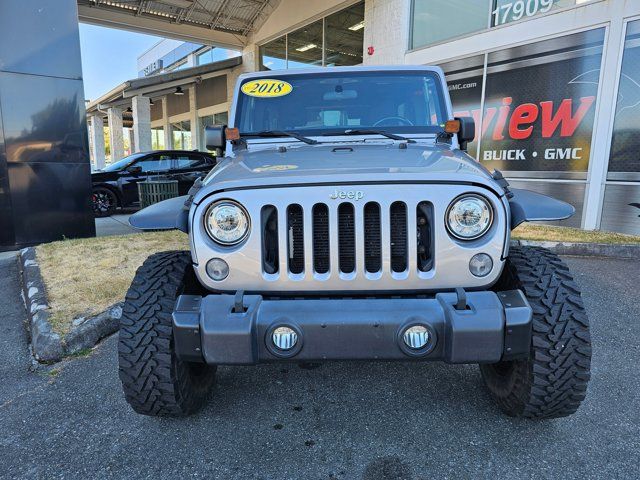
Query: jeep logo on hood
point(349, 194)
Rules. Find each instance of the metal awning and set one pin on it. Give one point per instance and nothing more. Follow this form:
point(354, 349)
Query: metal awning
point(157, 85)
point(216, 22)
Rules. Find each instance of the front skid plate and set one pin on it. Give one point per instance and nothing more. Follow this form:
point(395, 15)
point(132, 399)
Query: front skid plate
point(491, 328)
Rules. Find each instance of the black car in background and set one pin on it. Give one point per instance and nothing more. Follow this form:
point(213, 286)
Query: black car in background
point(117, 184)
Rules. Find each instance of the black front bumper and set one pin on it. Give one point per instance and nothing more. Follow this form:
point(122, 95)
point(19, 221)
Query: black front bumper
point(492, 327)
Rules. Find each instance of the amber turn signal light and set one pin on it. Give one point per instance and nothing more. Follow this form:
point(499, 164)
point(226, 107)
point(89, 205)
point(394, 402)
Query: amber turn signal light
point(452, 126)
point(232, 133)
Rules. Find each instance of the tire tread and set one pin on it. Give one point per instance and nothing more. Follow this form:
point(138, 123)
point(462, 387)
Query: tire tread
point(553, 381)
point(154, 380)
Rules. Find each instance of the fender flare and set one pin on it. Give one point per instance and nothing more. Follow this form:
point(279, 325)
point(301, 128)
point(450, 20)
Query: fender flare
point(169, 214)
point(528, 206)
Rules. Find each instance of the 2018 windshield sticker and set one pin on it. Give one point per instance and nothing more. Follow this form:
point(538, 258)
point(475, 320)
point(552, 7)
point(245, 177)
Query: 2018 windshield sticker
point(266, 88)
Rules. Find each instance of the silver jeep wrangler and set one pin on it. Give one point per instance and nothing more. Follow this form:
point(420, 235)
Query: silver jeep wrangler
point(346, 221)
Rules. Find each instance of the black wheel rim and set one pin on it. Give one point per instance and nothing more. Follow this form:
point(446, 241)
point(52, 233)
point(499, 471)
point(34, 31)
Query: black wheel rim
point(102, 202)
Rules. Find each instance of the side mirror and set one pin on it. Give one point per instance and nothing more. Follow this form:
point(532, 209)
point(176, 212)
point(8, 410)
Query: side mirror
point(214, 137)
point(467, 131)
point(134, 169)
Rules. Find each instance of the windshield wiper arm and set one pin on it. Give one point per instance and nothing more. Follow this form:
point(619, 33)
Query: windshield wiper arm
point(356, 131)
point(281, 133)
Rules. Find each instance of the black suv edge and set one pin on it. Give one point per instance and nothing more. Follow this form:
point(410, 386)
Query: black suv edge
point(117, 184)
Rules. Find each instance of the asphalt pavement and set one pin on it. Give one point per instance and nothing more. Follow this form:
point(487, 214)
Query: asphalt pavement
point(368, 421)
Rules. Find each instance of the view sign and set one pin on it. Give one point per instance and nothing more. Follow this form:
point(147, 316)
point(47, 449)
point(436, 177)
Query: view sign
point(539, 104)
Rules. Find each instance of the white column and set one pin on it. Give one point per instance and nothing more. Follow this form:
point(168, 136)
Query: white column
point(114, 117)
point(166, 126)
point(232, 77)
point(141, 123)
point(386, 30)
point(96, 131)
point(250, 55)
point(132, 140)
point(603, 125)
point(193, 117)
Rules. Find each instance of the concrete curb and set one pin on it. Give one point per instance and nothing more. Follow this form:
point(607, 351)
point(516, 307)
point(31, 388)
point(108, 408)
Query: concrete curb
point(48, 346)
point(585, 249)
point(92, 330)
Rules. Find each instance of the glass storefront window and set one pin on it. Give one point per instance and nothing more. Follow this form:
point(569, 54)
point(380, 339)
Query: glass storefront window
point(181, 134)
point(621, 202)
point(221, 118)
point(506, 11)
point(436, 20)
point(344, 36)
point(157, 138)
point(539, 105)
point(624, 161)
point(216, 55)
point(465, 84)
point(335, 40)
point(305, 46)
point(273, 55)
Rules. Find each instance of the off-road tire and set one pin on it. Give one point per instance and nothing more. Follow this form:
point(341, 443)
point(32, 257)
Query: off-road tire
point(154, 380)
point(552, 382)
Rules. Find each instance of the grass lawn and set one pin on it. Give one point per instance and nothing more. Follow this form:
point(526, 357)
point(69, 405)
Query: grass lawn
point(528, 231)
point(84, 277)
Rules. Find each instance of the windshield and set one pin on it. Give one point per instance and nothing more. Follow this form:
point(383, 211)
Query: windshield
point(322, 103)
point(120, 164)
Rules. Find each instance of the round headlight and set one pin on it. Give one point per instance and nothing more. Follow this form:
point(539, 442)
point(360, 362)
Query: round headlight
point(227, 222)
point(469, 217)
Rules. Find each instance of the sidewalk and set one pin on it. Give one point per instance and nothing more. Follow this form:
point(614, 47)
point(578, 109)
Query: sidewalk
point(114, 225)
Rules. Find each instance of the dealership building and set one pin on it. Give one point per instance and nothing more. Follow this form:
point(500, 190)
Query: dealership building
point(553, 85)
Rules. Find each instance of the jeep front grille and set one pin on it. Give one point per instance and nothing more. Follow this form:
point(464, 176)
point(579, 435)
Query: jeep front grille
point(398, 222)
point(320, 238)
point(348, 238)
point(295, 239)
point(365, 238)
point(372, 238)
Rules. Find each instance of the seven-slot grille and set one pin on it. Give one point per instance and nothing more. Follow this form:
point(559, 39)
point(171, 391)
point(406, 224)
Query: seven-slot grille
point(358, 234)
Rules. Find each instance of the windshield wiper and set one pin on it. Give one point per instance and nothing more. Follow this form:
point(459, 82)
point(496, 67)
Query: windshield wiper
point(281, 133)
point(371, 132)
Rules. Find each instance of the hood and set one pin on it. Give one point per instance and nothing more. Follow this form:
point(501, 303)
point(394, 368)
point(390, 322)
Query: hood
point(341, 163)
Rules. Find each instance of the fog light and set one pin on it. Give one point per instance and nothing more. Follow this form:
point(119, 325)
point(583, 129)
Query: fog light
point(416, 337)
point(217, 269)
point(480, 265)
point(284, 338)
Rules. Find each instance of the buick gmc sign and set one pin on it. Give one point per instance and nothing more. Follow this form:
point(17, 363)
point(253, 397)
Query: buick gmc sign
point(539, 103)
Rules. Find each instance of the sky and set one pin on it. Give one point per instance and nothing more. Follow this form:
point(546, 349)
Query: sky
point(109, 57)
